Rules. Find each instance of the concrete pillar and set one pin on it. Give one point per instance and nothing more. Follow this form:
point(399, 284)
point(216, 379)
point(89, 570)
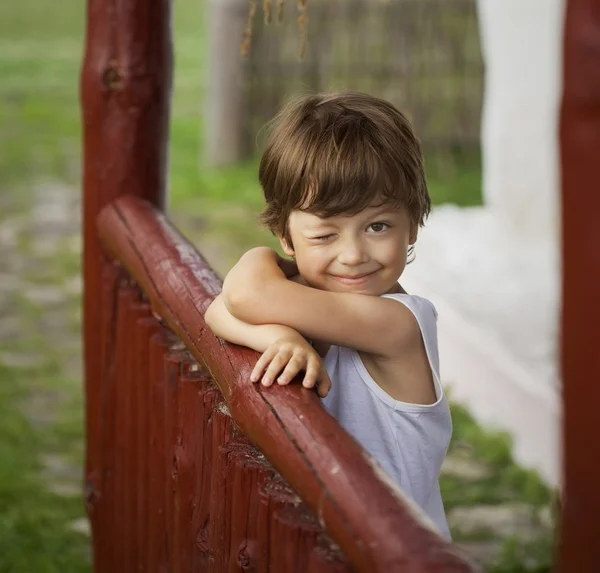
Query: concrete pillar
point(522, 49)
point(224, 112)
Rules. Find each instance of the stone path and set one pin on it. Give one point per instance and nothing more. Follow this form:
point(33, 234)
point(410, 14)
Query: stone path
point(40, 293)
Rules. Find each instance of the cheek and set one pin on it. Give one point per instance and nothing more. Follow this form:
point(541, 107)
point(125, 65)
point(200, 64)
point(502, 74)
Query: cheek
point(312, 261)
point(391, 251)
point(394, 253)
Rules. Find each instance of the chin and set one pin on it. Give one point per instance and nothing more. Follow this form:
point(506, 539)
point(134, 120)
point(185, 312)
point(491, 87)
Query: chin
point(366, 290)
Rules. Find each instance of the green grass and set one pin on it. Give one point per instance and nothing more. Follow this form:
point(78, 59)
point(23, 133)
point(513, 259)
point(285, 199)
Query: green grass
point(40, 132)
point(40, 139)
point(34, 524)
point(505, 482)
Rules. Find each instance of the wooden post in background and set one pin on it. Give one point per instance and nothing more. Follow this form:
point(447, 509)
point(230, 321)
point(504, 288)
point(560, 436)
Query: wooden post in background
point(580, 152)
point(125, 96)
point(225, 138)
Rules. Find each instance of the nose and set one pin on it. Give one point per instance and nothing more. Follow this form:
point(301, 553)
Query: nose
point(352, 253)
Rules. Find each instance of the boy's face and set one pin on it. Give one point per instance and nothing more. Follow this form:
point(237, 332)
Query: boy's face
point(363, 253)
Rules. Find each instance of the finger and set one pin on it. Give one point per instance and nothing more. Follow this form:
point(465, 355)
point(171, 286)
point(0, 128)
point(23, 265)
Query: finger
point(324, 384)
point(294, 366)
point(312, 373)
point(262, 363)
point(275, 367)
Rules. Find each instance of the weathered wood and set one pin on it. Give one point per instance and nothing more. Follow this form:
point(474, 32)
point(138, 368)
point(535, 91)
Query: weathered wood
point(99, 478)
point(138, 380)
point(157, 497)
point(580, 151)
point(116, 491)
point(368, 517)
point(125, 420)
point(209, 398)
point(125, 91)
point(327, 559)
point(146, 329)
point(275, 494)
point(250, 472)
point(189, 461)
point(174, 363)
point(221, 488)
point(294, 533)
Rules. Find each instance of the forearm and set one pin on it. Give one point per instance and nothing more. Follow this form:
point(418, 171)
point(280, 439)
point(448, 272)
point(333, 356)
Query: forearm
point(251, 284)
point(257, 337)
point(246, 283)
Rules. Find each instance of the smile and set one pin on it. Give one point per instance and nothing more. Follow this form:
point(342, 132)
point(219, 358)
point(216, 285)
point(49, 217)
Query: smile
point(353, 279)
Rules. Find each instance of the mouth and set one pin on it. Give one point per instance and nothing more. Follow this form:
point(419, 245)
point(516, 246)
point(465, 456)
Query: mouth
point(353, 279)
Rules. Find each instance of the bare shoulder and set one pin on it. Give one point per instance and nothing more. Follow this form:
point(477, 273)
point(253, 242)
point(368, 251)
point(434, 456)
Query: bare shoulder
point(407, 375)
point(407, 379)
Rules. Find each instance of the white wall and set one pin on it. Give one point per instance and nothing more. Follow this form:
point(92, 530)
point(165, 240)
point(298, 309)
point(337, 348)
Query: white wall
point(522, 48)
point(493, 271)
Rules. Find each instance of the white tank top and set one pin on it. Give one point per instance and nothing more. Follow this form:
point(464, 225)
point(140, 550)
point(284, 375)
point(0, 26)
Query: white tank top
point(408, 440)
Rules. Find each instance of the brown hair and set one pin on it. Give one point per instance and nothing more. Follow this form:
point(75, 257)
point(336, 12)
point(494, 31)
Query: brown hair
point(333, 154)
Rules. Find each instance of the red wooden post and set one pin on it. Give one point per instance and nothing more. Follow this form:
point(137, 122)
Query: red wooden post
point(174, 365)
point(250, 472)
point(208, 399)
point(190, 466)
point(120, 527)
point(580, 154)
point(274, 495)
point(157, 499)
point(327, 559)
point(139, 414)
point(221, 489)
point(294, 533)
point(125, 91)
point(146, 329)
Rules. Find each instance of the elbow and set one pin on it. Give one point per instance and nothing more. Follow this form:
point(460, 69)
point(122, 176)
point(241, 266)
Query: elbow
point(241, 305)
point(209, 315)
point(215, 318)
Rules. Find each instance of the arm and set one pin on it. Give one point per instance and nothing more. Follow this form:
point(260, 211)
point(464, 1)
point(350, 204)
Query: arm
point(285, 352)
point(257, 291)
point(227, 327)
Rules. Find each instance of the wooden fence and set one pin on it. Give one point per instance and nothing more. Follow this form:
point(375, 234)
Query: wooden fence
point(422, 55)
point(189, 467)
point(211, 472)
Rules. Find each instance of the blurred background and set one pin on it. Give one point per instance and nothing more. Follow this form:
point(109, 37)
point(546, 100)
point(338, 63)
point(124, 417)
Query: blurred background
point(425, 56)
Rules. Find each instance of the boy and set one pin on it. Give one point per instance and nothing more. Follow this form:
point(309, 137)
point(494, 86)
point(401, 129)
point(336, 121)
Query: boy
point(345, 194)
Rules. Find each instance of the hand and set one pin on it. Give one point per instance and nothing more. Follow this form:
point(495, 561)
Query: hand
point(285, 358)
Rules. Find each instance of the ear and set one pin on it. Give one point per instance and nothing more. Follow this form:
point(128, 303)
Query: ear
point(287, 249)
point(414, 232)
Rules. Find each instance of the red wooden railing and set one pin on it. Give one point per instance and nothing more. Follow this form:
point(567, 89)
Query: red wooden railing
point(189, 467)
point(208, 484)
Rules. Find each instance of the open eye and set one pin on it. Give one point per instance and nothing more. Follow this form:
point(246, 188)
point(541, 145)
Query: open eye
point(378, 227)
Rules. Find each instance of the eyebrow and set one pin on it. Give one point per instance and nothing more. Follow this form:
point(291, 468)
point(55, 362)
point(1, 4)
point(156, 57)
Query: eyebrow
point(318, 230)
point(317, 223)
point(380, 212)
point(384, 210)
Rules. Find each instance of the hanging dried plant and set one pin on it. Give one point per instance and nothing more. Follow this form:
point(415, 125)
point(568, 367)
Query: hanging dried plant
point(247, 36)
point(267, 10)
point(267, 6)
point(302, 26)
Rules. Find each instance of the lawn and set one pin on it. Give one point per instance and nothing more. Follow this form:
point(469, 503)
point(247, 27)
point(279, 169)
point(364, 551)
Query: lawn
point(40, 390)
